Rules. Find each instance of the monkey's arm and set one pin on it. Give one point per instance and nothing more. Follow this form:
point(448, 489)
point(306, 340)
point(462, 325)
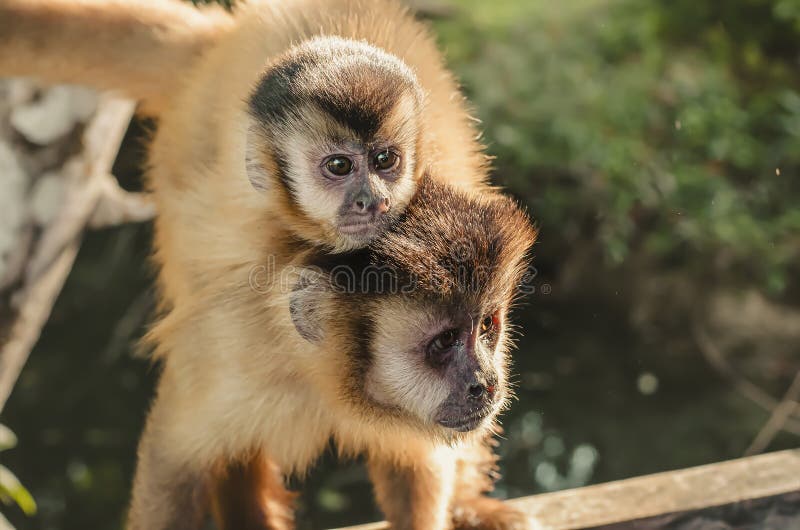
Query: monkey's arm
point(471, 509)
point(444, 489)
point(415, 494)
point(142, 48)
point(170, 490)
point(249, 494)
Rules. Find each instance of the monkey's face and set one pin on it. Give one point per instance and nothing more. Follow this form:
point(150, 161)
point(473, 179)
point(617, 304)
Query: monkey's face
point(416, 324)
point(443, 364)
point(334, 126)
point(352, 185)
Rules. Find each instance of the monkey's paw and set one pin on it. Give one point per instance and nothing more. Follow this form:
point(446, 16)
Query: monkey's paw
point(485, 513)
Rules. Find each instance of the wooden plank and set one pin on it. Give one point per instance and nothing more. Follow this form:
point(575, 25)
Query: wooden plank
point(779, 512)
point(674, 491)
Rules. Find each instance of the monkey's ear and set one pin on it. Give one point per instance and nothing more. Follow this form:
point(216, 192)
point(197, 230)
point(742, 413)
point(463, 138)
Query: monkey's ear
point(256, 170)
point(307, 304)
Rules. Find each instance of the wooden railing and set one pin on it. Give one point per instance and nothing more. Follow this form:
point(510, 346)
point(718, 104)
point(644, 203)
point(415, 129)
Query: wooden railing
point(768, 486)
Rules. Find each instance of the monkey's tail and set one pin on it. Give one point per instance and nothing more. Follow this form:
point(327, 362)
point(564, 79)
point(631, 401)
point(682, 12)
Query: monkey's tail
point(141, 48)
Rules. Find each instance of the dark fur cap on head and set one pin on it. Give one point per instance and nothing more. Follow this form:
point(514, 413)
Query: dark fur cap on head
point(451, 242)
point(448, 244)
point(353, 82)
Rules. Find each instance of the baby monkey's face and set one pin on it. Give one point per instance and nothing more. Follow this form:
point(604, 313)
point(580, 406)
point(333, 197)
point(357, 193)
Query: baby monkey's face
point(335, 125)
point(352, 185)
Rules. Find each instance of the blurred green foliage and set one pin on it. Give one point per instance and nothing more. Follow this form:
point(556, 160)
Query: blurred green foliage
point(11, 490)
point(670, 128)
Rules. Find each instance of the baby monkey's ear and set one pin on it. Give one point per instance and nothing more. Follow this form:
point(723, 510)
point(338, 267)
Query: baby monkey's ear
point(257, 170)
point(308, 302)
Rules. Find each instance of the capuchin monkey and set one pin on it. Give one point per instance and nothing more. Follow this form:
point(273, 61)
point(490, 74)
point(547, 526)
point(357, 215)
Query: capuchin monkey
point(334, 111)
point(398, 351)
point(331, 108)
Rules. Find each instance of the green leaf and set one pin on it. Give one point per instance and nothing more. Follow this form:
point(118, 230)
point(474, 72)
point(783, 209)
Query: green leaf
point(10, 488)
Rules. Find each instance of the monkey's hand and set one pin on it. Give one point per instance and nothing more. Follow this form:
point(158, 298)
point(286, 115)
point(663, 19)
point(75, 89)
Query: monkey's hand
point(485, 513)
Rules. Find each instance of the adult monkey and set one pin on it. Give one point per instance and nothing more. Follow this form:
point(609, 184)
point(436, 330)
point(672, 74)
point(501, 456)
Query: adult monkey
point(400, 353)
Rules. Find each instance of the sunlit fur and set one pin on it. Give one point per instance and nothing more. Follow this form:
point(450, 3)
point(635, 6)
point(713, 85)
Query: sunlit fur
point(142, 48)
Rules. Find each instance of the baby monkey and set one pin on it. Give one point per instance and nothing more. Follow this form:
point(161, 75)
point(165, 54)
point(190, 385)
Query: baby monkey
point(401, 353)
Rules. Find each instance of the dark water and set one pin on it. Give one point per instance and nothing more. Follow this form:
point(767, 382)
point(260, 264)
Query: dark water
point(597, 402)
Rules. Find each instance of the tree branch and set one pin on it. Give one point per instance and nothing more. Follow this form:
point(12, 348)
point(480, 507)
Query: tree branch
point(742, 385)
point(117, 206)
point(778, 419)
point(88, 199)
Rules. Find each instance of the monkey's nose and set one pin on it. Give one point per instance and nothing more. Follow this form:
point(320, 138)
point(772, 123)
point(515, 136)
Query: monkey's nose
point(476, 391)
point(363, 206)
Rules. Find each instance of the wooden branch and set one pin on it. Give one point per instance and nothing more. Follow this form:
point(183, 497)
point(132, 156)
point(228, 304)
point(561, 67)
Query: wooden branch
point(638, 498)
point(742, 385)
point(80, 199)
point(34, 309)
point(87, 179)
point(117, 206)
point(778, 419)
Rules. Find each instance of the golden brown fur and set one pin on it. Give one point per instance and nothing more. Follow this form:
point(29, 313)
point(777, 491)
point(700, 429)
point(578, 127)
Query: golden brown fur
point(142, 48)
point(153, 50)
point(250, 494)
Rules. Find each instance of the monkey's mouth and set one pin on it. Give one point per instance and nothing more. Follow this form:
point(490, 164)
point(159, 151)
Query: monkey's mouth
point(365, 227)
point(356, 229)
point(466, 423)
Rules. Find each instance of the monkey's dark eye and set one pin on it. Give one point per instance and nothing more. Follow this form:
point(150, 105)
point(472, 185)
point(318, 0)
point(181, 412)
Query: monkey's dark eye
point(489, 324)
point(442, 343)
point(339, 165)
point(385, 160)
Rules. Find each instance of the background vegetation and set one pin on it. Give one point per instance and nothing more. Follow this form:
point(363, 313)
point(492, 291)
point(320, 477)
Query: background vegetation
point(657, 143)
